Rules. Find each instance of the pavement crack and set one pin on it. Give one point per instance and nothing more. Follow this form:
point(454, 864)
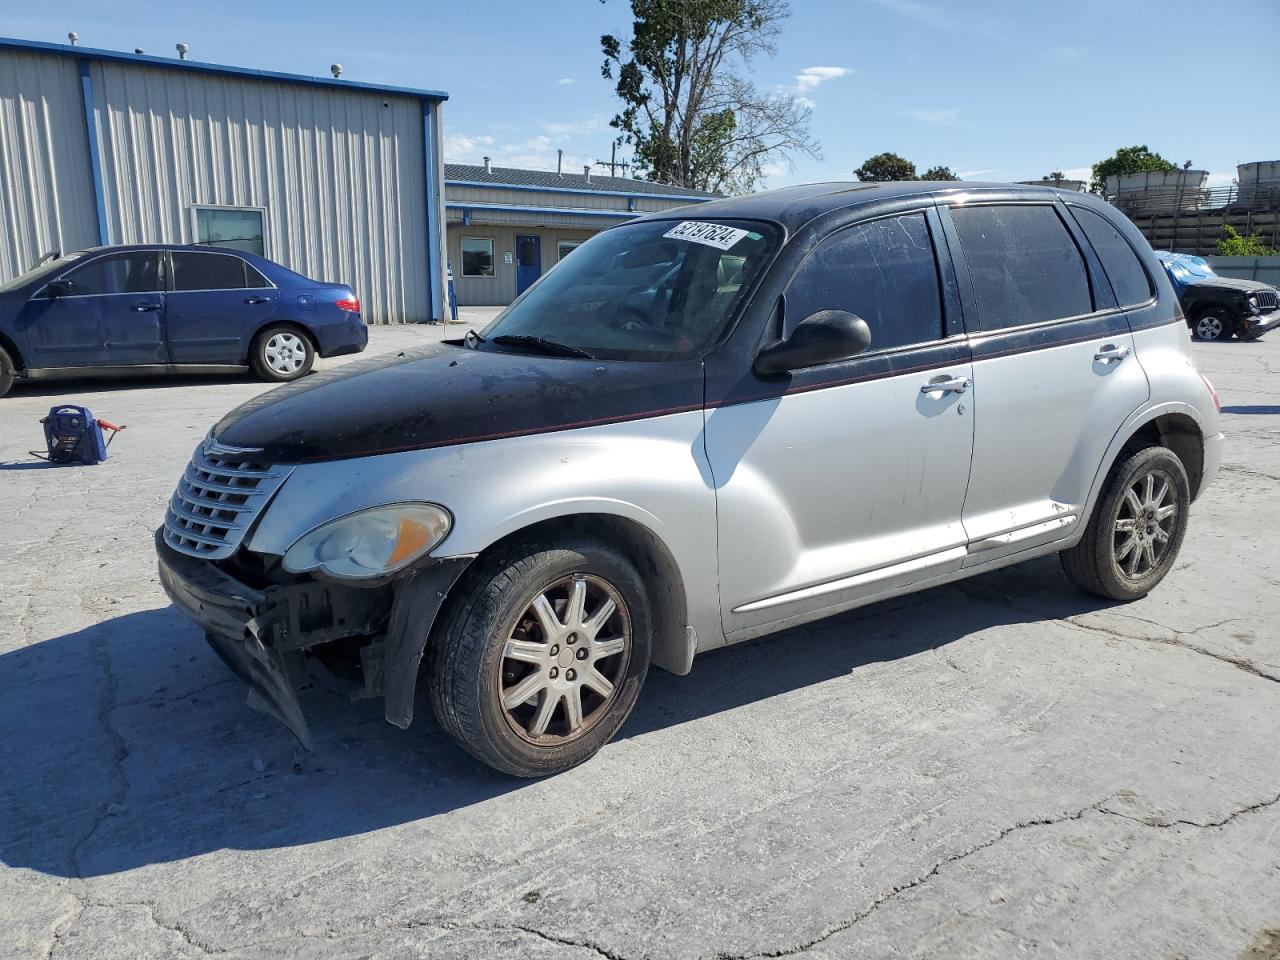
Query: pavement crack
point(910, 885)
point(1178, 638)
point(63, 925)
point(1163, 824)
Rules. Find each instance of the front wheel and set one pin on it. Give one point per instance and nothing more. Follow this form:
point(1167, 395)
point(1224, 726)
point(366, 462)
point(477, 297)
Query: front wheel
point(1213, 325)
point(541, 658)
point(281, 354)
point(1136, 529)
point(6, 372)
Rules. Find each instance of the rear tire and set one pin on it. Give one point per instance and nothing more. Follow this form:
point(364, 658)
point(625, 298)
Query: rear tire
point(1136, 529)
point(281, 353)
point(527, 674)
point(1213, 324)
point(7, 372)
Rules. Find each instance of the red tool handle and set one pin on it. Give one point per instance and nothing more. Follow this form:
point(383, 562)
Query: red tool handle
point(109, 426)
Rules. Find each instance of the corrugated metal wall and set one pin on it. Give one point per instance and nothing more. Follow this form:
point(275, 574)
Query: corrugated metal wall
point(46, 187)
point(500, 289)
point(340, 174)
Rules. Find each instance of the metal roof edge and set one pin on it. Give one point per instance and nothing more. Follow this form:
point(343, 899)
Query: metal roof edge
point(143, 59)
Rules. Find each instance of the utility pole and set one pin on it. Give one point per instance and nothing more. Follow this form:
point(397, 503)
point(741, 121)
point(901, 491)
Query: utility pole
point(613, 163)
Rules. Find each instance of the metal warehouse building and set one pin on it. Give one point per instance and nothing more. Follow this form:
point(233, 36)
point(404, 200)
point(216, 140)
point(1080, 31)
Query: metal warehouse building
point(507, 227)
point(337, 180)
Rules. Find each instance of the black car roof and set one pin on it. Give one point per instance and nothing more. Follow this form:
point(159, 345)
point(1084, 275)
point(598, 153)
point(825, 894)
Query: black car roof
point(795, 206)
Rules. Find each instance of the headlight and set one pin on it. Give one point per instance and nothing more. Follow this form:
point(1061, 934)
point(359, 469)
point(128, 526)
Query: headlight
point(370, 543)
point(1253, 303)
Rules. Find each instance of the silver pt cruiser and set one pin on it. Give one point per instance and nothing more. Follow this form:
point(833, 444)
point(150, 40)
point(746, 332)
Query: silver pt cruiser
point(704, 426)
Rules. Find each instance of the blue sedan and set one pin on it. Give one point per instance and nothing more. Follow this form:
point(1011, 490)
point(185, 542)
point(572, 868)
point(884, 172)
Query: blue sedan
point(172, 308)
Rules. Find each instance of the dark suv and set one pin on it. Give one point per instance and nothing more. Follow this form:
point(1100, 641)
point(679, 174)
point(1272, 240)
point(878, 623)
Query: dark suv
point(1216, 307)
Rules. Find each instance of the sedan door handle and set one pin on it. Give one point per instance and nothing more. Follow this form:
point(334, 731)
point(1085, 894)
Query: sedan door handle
point(946, 384)
point(1111, 352)
point(256, 299)
point(146, 307)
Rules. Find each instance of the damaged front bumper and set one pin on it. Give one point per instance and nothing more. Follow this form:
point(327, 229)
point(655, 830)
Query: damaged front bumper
point(262, 635)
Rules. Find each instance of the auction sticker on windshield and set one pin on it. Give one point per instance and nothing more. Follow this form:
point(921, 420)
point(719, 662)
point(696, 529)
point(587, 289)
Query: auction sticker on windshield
point(716, 235)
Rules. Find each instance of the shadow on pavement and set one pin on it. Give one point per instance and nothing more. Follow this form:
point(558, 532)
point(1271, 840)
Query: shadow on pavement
point(128, 743)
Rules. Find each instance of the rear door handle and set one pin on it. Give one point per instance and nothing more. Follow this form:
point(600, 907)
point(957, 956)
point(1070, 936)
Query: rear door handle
point(146, 307)
point(945, 384)
point(256, 299)
point(1111, 351)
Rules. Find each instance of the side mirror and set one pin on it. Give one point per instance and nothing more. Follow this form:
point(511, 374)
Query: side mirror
point(823, 337)
point(60, 288)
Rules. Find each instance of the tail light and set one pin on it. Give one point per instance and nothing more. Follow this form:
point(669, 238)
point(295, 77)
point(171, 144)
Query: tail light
point(1212, 392)
point(350, 304)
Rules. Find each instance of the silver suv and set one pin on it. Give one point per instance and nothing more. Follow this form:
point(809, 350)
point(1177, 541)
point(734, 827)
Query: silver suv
point(693, 432)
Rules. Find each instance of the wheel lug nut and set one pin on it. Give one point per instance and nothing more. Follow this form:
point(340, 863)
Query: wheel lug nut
point(572, 639)
point(554, 673)
point(582, 653)
point(570, 674)
point(554, 650)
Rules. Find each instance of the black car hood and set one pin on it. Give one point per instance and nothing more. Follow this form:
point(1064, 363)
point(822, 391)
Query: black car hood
point(446, 394)
point(1231, 283)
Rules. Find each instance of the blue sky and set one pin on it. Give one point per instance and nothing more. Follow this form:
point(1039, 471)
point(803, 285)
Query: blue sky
point(1005, 90)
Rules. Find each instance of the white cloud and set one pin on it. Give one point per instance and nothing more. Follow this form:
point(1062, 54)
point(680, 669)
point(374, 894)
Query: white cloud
point(534, 153)
point(1221, 179)
point(460, 148)
point(810, 77)
point(565, 81)
point(939, 118)
point(806, 103)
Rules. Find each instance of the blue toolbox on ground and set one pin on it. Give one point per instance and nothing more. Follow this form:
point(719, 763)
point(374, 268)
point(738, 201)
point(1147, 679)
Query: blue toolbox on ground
point(73, 435)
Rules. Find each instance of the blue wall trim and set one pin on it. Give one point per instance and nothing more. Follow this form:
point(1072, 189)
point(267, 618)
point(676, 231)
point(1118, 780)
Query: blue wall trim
point(434, 224)
point(95, 159)
point(594, 193)
point(468, 208)
point(92, 53)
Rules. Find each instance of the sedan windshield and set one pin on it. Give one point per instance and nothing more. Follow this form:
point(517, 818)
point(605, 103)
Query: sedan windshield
point(655, 290)
point(46, 269)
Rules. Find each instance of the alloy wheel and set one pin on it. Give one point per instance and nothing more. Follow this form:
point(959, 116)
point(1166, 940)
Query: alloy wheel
point(1145, 524)
point(565, 659)
point(285, 353)
point(1209, 327)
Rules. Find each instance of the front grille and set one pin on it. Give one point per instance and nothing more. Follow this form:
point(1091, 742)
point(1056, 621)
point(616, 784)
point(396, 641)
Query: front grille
point(1268, 299)
point(218, 498)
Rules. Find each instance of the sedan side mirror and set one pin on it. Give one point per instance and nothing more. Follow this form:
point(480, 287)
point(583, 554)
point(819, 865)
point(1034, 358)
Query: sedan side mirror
point(60, 288)
point(822, 337)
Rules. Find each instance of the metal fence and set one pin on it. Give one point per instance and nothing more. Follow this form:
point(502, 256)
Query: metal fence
point(1188, 199)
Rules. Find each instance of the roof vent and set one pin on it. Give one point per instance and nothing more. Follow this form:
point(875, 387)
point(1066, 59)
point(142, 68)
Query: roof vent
point(73, 37)
point(183, 49)
point(560, 163)
point(139, 51)
point(586, 171)
point(336, 70)
point(488, 167)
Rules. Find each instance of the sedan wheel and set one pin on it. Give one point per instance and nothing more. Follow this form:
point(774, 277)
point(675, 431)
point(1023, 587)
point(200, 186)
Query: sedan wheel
point(281, 353)
point(540, 654)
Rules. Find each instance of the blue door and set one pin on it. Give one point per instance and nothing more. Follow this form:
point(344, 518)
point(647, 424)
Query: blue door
point(107, 312)
point(216, 303)
point(528, 262)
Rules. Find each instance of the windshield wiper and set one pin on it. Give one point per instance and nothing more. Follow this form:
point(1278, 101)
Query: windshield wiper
point(553, 347)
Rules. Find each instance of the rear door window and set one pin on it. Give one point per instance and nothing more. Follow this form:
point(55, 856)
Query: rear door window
point(1024, 264)
point(209, 271)
point(884, 271)
point(1128, 279)
point(135, 272)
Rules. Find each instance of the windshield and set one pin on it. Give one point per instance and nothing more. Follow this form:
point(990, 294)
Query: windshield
point(656, 290)
point(39, 272)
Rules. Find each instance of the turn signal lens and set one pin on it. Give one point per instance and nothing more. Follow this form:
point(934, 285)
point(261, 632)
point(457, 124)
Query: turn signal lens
point(371, 543)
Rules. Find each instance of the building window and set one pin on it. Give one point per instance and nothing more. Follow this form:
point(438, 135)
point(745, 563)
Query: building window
point(239, 228)
point(477, 257)
point(566, 247)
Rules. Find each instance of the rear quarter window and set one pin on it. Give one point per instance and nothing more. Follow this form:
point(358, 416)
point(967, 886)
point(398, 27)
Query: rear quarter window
point(1024, 264)
point(1128, 279)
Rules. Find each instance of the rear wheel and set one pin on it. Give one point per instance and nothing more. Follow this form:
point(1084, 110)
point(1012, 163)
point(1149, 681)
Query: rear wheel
point(281, 354)
point(7, 373)
point(1213, 324)
point(542, 658)
point(1136, 529)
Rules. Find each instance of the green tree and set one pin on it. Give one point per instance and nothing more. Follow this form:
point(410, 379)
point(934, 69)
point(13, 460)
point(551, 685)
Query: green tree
point(1137, 159)
point(1235, 245)
point(691, 115)
point(886, 166)
point(1057, 176)
point(938, 173)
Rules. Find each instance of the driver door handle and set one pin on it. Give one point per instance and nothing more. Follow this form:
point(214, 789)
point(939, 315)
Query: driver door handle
point(945, 384)
point(146, 307)
point(1111, 352)
point(255, 299)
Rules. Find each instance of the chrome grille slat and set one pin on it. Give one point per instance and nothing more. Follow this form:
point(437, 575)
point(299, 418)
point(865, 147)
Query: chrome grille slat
point(1268, 299)
point(218, 497)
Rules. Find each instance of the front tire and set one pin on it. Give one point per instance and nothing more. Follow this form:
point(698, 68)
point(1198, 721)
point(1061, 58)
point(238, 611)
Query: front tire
point(1213, 324)
point(281, 354)
point(542, 655)
point(1136, 529)
point(7, 372)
